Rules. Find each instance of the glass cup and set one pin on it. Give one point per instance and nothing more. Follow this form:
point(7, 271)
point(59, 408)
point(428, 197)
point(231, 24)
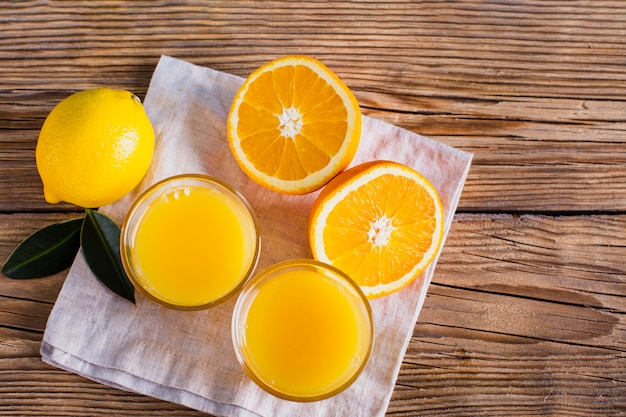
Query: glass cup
point(190, 242)
point(302, 330)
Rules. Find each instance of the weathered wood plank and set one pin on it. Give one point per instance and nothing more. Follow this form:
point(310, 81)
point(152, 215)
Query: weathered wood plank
point(573, 260)
point(536, 90)
point(460, 372)
point(582, 152)
point(529, 154)
point(583, 168)
point(529, 48)
point(526, 316)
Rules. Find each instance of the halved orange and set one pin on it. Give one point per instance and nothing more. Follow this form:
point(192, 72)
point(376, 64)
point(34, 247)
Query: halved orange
point(293, 125)
point(380, 222)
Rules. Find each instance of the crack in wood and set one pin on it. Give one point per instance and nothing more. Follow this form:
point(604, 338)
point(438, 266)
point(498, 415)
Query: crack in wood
point(535, 339)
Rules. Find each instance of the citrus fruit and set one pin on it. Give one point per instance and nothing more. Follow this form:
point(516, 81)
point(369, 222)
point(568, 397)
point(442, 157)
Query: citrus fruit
point(293, 125)
point(94, 147)
point(380, 222)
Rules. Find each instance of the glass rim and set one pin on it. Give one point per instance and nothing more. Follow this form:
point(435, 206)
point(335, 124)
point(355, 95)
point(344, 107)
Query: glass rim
point(248, 294)
point(138, 210)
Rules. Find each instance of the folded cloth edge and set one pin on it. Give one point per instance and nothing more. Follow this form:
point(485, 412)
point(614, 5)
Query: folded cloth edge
point(63, 360)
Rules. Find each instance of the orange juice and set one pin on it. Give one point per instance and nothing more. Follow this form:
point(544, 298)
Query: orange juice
point(189, 242)
point(304, 330)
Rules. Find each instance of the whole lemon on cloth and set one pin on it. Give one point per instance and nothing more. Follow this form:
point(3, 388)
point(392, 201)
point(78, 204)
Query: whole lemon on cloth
point(94, 147)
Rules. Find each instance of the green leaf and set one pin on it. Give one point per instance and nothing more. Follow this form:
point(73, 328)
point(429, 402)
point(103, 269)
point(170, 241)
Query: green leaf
point(100, 240)
point(45, 252)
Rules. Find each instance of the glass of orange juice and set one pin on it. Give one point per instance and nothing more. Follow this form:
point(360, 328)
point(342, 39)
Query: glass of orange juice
point(190, 242)
point(302, 330)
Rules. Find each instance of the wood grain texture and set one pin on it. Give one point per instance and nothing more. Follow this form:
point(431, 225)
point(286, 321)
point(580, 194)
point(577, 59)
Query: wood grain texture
point(532, 88)
point(526, 311)
point(505, 329)
point(526, 315)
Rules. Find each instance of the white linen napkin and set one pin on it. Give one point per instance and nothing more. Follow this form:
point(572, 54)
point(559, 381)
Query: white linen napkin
point(187, 357)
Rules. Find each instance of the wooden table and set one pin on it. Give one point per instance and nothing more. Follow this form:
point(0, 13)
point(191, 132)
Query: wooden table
point(526, 314)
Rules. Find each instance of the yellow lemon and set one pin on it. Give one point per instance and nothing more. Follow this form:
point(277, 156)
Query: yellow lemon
point(94, 147)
